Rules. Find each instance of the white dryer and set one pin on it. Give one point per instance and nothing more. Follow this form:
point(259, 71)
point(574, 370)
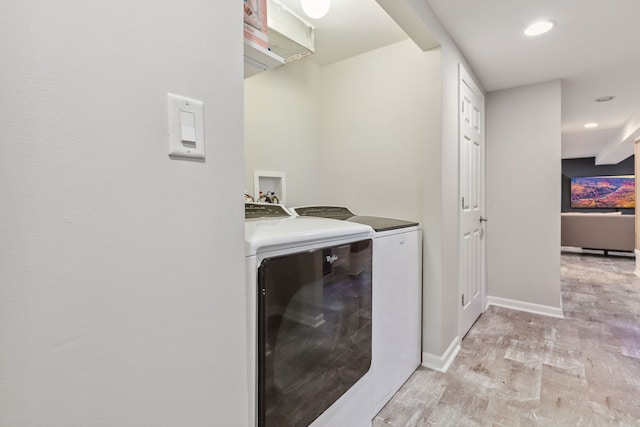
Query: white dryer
point(309, 319)
point(397, 297)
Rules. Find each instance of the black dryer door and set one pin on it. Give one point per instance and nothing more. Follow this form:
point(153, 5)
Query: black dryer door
point(314, 331)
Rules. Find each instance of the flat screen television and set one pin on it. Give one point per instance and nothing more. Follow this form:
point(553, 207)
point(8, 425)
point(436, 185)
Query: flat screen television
point(614, 192)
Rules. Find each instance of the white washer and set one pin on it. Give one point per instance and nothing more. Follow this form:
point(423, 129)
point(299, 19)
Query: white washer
point(323, 257)
point(397, 297)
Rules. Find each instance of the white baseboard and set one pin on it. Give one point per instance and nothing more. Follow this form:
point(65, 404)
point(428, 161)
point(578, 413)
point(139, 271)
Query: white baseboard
point(442, 363)
point(637, 252)
point(545, 310)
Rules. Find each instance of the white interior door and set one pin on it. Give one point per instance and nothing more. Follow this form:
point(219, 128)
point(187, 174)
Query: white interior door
point(472, 192)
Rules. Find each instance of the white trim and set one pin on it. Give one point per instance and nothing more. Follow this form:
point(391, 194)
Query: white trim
point(545, 310)
point(637, 251)
point(442, 363)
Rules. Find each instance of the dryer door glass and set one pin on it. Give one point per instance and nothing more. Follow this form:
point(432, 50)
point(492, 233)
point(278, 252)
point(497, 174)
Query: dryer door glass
point(314, 331)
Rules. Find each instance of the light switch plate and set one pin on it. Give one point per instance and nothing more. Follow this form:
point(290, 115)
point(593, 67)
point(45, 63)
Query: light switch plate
point(178, 147)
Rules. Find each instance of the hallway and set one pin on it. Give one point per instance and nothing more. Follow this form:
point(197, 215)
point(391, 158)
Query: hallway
point(520, 369)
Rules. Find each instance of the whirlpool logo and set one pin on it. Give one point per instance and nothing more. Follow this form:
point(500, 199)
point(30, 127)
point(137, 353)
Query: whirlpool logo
point(331, 258)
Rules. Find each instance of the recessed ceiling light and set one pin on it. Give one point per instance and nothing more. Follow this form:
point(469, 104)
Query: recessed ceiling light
point(591, 125)
point(605, 98)
point(538, 28)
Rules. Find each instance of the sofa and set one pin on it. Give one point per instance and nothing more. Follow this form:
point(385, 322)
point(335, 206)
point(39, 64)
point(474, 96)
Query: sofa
point(605, 231)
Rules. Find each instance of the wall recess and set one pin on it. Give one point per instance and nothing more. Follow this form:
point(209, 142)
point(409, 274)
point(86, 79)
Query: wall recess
point(270, 181)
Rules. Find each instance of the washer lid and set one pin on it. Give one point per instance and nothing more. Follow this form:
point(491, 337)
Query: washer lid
point(264, 234)
point(341, 212)
point(381, 223)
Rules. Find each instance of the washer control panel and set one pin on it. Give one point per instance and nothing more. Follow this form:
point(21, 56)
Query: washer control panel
point(262, 210)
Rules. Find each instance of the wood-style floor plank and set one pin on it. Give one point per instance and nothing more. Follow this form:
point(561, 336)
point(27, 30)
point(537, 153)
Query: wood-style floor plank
point(520, 369)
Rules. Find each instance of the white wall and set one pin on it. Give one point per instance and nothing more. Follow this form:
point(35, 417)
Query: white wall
point(523, 134)
point(354, 133)
point(121, 271)
point(382, 151)
point(381, 119)
point(441, 295)
point(282, 128)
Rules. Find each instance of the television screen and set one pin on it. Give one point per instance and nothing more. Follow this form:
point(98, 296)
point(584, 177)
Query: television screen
point(603, 192)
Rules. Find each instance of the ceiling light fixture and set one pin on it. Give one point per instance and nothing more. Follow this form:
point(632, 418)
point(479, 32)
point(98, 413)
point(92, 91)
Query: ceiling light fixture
point(591, 125)
point(605, 98)
point(538, 28)
point(315, 9)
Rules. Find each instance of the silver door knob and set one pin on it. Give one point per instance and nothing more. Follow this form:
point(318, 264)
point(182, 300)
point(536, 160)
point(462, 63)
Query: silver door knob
point(483, 219)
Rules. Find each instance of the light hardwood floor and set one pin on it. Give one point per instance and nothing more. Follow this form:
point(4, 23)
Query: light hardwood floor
point(520, 369)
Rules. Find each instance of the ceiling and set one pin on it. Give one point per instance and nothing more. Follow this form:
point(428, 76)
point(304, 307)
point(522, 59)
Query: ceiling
point(350, 28)
point(593, 48)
